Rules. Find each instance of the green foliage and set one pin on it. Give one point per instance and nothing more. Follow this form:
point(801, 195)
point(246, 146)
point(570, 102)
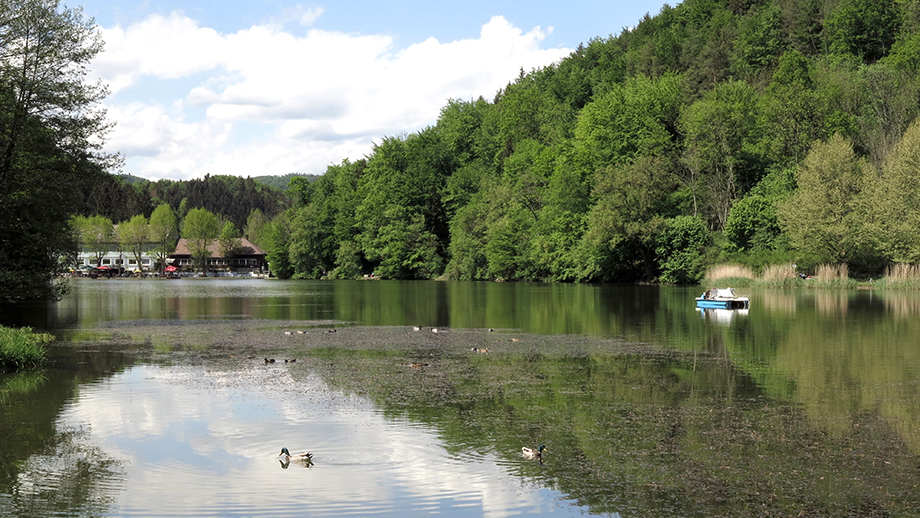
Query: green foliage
point(864, 28)
point(229, 240)
point(133, 236)
point(679, 250)
point(721, 158)
point(759, 41)
point(21, 348)
point(163, 231)
point(283, 182)
point(96, 234)
point(636, 118)
point(49, 124)
point(750, 130)
point(827, 216)
point(311, 251)
point(896, 201)
point(231, 197)
point(200, 227)
point(752, 225)
point(623, 226)
point(277, 244)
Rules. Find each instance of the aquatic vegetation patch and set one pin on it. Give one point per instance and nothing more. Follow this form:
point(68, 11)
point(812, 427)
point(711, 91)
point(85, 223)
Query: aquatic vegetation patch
point(22, 348)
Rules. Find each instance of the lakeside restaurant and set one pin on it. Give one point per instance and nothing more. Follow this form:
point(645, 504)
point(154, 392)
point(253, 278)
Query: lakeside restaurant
point(248, 258)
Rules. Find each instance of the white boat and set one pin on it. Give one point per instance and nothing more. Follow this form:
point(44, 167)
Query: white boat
point(722, 298)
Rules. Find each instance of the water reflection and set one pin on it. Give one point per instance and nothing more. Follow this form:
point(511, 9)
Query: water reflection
point(649, 407)
point(170, 429)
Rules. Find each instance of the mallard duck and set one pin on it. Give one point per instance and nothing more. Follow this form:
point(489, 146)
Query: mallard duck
point(531, 453)
point(285, 455)
point(416, 328)
point(269, 360)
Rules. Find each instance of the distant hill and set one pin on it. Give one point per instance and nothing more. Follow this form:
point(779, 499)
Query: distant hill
point(281, 182)
point(130, 179)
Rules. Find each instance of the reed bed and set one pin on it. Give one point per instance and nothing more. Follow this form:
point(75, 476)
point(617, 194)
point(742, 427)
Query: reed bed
point(901, 276)
point(780, 276)
point(731, 274)
point(832, 276)
point(784, 276)
point(22, 348)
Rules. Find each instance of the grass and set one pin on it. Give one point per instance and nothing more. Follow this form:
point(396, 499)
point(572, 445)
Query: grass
point(785, 276)
point(22, 348)
point(736, 275)
point(901, 276)
point(780, 276)
point(832, 276)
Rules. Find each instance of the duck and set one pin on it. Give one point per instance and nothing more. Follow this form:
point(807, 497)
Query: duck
point(480, 350)
point(291, 361)
point(416, 328)
point(330, 331)
point(269, 360)
point(285, 455)
point(531, 453)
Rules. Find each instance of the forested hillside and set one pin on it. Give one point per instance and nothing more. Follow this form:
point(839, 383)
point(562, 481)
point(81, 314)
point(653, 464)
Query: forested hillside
point(232, 198)
point(750, 130)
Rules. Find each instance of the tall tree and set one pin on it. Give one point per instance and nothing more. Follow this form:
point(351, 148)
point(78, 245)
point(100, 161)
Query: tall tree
point(162, 231)
point(133, 236)
point(827, 216)
point(200, 227)
point(720, 135)
point(896, 200)
point(96, 234)
point(229, 240)
point(49, 121)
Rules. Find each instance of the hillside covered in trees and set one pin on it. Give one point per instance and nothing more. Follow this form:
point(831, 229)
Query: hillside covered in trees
point(744, 130)
point(750, 131)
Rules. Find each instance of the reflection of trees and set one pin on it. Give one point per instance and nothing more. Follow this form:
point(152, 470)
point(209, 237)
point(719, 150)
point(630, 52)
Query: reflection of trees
point(71, 476)
point(44, 471)
point(638, 431)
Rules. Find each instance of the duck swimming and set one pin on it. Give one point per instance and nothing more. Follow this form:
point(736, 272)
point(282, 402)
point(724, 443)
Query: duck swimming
point(530, 453)
point(286, 455)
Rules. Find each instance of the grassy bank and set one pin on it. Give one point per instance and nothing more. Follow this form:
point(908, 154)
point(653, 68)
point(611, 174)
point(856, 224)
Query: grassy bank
point(21, 348)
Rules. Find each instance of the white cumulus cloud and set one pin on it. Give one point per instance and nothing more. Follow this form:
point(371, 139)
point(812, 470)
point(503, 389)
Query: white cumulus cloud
point(188, 100)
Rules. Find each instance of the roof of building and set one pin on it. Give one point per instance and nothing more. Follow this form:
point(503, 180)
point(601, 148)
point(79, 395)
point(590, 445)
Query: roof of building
point(247, 247)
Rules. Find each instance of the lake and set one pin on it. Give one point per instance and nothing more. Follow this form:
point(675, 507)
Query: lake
point(175, 397)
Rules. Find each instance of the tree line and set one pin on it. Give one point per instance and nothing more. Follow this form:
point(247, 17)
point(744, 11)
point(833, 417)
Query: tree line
point(751, 131)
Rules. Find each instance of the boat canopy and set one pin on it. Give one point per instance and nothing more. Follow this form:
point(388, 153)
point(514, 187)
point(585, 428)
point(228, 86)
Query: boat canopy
point(722, 293)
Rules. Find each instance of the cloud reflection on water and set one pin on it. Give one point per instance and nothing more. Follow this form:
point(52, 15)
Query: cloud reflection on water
point(198, 441)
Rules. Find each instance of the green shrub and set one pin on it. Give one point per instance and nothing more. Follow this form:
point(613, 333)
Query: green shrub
point(21, 348)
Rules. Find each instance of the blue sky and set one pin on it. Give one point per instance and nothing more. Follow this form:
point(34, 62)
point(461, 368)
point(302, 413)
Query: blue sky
point(270, 87)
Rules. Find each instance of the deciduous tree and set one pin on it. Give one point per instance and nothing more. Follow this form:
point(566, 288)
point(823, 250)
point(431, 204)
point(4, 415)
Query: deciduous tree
point(200, 227)
point(49, 121)
point(163, 231)
point(133, 235)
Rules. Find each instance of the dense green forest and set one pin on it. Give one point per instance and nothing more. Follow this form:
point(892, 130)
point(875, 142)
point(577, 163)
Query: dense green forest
point(751, 131)
point(232, 197)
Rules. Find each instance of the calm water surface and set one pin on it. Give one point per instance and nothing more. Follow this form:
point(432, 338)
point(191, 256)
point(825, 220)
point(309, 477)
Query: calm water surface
point(808, 404)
